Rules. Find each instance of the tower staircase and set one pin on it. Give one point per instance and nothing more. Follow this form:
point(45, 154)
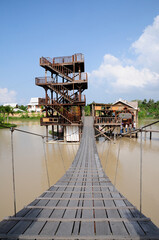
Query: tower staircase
point(66, 91)
point(67, 115)
point(61, 70)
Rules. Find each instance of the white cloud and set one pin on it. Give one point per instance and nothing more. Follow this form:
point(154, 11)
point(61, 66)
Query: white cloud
point(120, 76)
point(143, 73)
point(7, 96)
point(147, 47)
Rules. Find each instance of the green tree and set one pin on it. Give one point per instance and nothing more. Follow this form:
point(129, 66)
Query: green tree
point(87, 110)
point(8, 110)
point(144, 102)
point(5, 111)
point(2, 111)
point(22, 107)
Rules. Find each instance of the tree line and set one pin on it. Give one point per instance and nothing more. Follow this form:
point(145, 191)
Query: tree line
point(148, 108)
point(5, 111)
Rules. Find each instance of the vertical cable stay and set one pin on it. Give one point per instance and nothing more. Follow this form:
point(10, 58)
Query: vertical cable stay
point(46, 165)
point(73, 150)
point(69, 152)
point(117, 163)
point(102, 150)
point(61, 157)
point(13, 170)
point(106, 160)
point(141, 172)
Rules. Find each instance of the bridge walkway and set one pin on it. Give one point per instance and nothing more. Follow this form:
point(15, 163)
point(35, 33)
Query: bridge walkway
point(83, 204)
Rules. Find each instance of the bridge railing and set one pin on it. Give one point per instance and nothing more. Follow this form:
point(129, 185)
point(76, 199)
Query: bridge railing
point(105, 120)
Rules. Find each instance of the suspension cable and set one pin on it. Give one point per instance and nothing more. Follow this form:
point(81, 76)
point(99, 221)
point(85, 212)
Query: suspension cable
point(102, 150)
point(117, 163)
point(13, 171)
point(61, 157)
point(106, 160)
point(39, 135)
point(73, 150)
point(46, 165)
point(69, 152)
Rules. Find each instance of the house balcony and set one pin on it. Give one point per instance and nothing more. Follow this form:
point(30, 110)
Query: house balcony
point(57, 120)
point(114, 121)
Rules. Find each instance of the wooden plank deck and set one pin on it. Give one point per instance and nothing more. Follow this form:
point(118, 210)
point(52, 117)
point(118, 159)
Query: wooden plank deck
point(83, 204)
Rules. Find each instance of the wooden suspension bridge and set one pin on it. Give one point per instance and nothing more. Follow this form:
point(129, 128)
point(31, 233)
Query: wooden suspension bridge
point(83, 204)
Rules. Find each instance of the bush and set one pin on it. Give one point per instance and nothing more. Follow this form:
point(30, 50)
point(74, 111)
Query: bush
point(87, 110)
point(24, 116)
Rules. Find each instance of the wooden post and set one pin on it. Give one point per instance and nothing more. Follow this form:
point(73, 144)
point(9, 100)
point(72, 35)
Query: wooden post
point(79, 133)
point(79, 72)
point(130, 133)
point(80, 94)
point(46, 133)
point(46, 100)
point(64, 133)
point(57, 101)
point(45, 76)
point(73, 71)
point(150, 135)
point(53, 131)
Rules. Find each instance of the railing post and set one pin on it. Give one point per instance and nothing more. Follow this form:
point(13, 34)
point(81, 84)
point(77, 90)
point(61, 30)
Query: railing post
point(13, 170)
point(141, 172)
point(45, 76)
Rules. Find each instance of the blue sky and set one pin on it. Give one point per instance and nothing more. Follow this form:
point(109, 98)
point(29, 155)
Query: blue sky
point(119, 38)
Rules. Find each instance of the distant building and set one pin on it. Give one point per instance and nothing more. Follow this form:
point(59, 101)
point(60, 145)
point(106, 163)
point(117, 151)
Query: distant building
point(13, 105)
point(33, 105)
point(127, 111)
point(17, 110)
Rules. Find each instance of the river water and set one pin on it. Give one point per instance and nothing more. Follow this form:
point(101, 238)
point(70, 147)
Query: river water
point(31, 174)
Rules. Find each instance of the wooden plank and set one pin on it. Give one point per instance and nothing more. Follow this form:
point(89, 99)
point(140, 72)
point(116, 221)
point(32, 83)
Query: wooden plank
point(79, 191)
point(23, 224)
point(74, 202)
point(75, 237)
point(59, 212)
point(133, 228)
point(86, 199)
point(102, 228)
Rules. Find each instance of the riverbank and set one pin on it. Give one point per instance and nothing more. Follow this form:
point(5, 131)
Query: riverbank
point(148, 109)
point(26, 115)
point(7, 125)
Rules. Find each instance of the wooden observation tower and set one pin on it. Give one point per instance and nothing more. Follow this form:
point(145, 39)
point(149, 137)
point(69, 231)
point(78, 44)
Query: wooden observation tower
point(63, 100)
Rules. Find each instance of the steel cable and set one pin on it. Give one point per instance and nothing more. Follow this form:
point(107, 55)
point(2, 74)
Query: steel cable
point(46, 165)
